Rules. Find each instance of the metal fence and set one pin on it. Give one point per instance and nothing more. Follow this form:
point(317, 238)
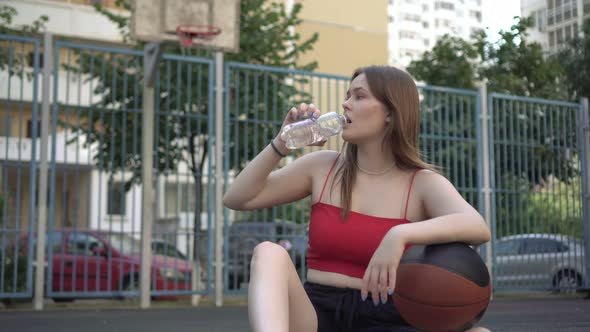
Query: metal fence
point(19, 65)
point(522, 162)
point(540, 231)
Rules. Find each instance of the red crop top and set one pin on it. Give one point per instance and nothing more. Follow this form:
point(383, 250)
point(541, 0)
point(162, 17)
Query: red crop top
point(346, 247)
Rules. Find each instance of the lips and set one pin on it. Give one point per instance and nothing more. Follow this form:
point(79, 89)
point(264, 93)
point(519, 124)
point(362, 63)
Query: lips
point(347, 118)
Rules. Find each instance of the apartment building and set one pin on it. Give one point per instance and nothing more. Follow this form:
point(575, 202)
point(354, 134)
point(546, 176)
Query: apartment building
point(415, 25)
point(556, 21)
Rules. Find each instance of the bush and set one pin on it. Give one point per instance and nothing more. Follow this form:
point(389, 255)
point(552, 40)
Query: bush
point(553, 207)
point(15, 282)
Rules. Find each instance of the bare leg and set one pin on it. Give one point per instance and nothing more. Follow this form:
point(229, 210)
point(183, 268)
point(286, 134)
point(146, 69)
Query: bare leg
point(277, 301)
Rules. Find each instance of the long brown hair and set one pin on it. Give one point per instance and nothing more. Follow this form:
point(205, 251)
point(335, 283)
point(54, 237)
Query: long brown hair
point(396, 90)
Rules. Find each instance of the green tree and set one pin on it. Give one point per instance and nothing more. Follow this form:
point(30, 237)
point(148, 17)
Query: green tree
point(514, 66)
point(575, 60)
point(452, 62)
point(510, 65)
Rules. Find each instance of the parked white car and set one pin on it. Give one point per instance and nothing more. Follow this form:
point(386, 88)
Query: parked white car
point(540, 261)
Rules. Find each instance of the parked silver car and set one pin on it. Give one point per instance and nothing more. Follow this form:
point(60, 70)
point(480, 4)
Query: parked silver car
point(540, 261)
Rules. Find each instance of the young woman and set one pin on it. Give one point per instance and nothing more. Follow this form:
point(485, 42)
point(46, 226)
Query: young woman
point(369, 202)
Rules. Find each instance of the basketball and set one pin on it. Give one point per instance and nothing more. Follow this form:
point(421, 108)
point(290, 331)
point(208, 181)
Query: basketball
point(442, 287)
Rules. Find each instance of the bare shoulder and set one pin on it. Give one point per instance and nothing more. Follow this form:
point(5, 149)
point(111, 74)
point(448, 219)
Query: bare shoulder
point(321, 159)
point(430, 182)
point(439, 196)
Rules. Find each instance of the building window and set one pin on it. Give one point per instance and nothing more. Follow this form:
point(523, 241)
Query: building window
point(30, 129)
point(476, 14)
point(425, 25)
point(551, 38)
point(181, 197)
point(568, 32)
point(444, 5)
point(586, 7)
point(4, 125)
point(31, 59)
point(539, 20)
point(390, 19)
point(559, 36)
point(412, 18)
point(116, 198)
point(558, 16)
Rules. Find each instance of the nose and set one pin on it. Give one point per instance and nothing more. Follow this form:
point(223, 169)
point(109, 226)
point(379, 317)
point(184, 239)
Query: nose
point(345, 104)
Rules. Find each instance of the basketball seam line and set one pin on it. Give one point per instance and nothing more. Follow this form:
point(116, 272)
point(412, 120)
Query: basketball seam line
point(418, 262)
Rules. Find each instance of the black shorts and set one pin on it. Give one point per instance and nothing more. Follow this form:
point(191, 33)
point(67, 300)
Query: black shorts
point(342, 309)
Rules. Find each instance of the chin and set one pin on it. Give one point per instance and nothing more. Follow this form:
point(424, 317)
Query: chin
point(349, 139)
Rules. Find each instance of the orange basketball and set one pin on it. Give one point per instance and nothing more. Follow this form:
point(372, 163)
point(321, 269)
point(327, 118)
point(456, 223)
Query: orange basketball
point(442, 287)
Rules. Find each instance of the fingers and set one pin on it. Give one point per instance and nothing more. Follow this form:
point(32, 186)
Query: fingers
point(383, 285)
point(392, 276)
point(302, 112)
point(379, 282)
point(371, 284)
point(365, 284)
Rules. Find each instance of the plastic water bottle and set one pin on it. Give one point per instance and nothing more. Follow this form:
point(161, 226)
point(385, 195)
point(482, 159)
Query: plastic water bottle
point(308, 131)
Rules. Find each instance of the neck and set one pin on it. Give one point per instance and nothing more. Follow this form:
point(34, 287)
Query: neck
point(374, 159)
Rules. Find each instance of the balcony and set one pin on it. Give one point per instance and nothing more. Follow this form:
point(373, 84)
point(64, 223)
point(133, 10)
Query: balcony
point(19, 149)
point(67, 19)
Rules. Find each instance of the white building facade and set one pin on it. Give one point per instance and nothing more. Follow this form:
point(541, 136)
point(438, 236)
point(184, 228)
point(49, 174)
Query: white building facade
point(416, 25)
point(556, 21)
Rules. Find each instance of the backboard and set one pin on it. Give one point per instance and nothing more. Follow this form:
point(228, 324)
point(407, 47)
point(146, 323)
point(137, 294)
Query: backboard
point(157, 20)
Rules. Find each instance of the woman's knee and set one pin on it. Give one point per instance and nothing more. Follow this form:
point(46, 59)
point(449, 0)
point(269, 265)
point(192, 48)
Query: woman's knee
point(269, 252)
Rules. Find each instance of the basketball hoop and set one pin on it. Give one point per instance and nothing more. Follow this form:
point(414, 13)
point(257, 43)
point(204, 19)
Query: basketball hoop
point(188, 33)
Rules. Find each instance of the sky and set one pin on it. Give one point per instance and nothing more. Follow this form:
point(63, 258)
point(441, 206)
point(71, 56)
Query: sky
point(498, 15)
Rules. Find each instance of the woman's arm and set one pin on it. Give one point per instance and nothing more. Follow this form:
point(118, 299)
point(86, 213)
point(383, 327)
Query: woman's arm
point(257, 186)
point(452, 219)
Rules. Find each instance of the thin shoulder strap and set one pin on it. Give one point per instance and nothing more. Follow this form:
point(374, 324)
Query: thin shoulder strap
point(409, 192)
point(328, 177)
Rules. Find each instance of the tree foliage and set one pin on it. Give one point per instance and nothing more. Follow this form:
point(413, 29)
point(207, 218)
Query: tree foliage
point(510, 65)
point(575, 60)
point(452, 62)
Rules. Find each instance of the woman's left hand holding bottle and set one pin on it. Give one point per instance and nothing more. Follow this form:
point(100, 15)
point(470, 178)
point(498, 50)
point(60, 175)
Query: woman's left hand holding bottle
point(296, 114)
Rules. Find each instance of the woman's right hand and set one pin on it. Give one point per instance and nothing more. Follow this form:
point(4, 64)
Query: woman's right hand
point(296, 114)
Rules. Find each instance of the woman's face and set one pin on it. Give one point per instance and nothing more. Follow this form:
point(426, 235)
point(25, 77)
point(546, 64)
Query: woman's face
point(366, 116)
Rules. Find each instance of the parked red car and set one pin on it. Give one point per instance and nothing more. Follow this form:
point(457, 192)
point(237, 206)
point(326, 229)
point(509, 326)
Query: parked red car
point(89, 263)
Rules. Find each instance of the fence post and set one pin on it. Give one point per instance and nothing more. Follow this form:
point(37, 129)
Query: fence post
point(486, 185)
point(584, 140)
point(219, 220)
point(43, 169)
point(151, 57)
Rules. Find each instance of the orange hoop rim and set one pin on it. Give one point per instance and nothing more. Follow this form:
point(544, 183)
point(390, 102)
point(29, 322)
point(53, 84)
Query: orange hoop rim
point(187, 33)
